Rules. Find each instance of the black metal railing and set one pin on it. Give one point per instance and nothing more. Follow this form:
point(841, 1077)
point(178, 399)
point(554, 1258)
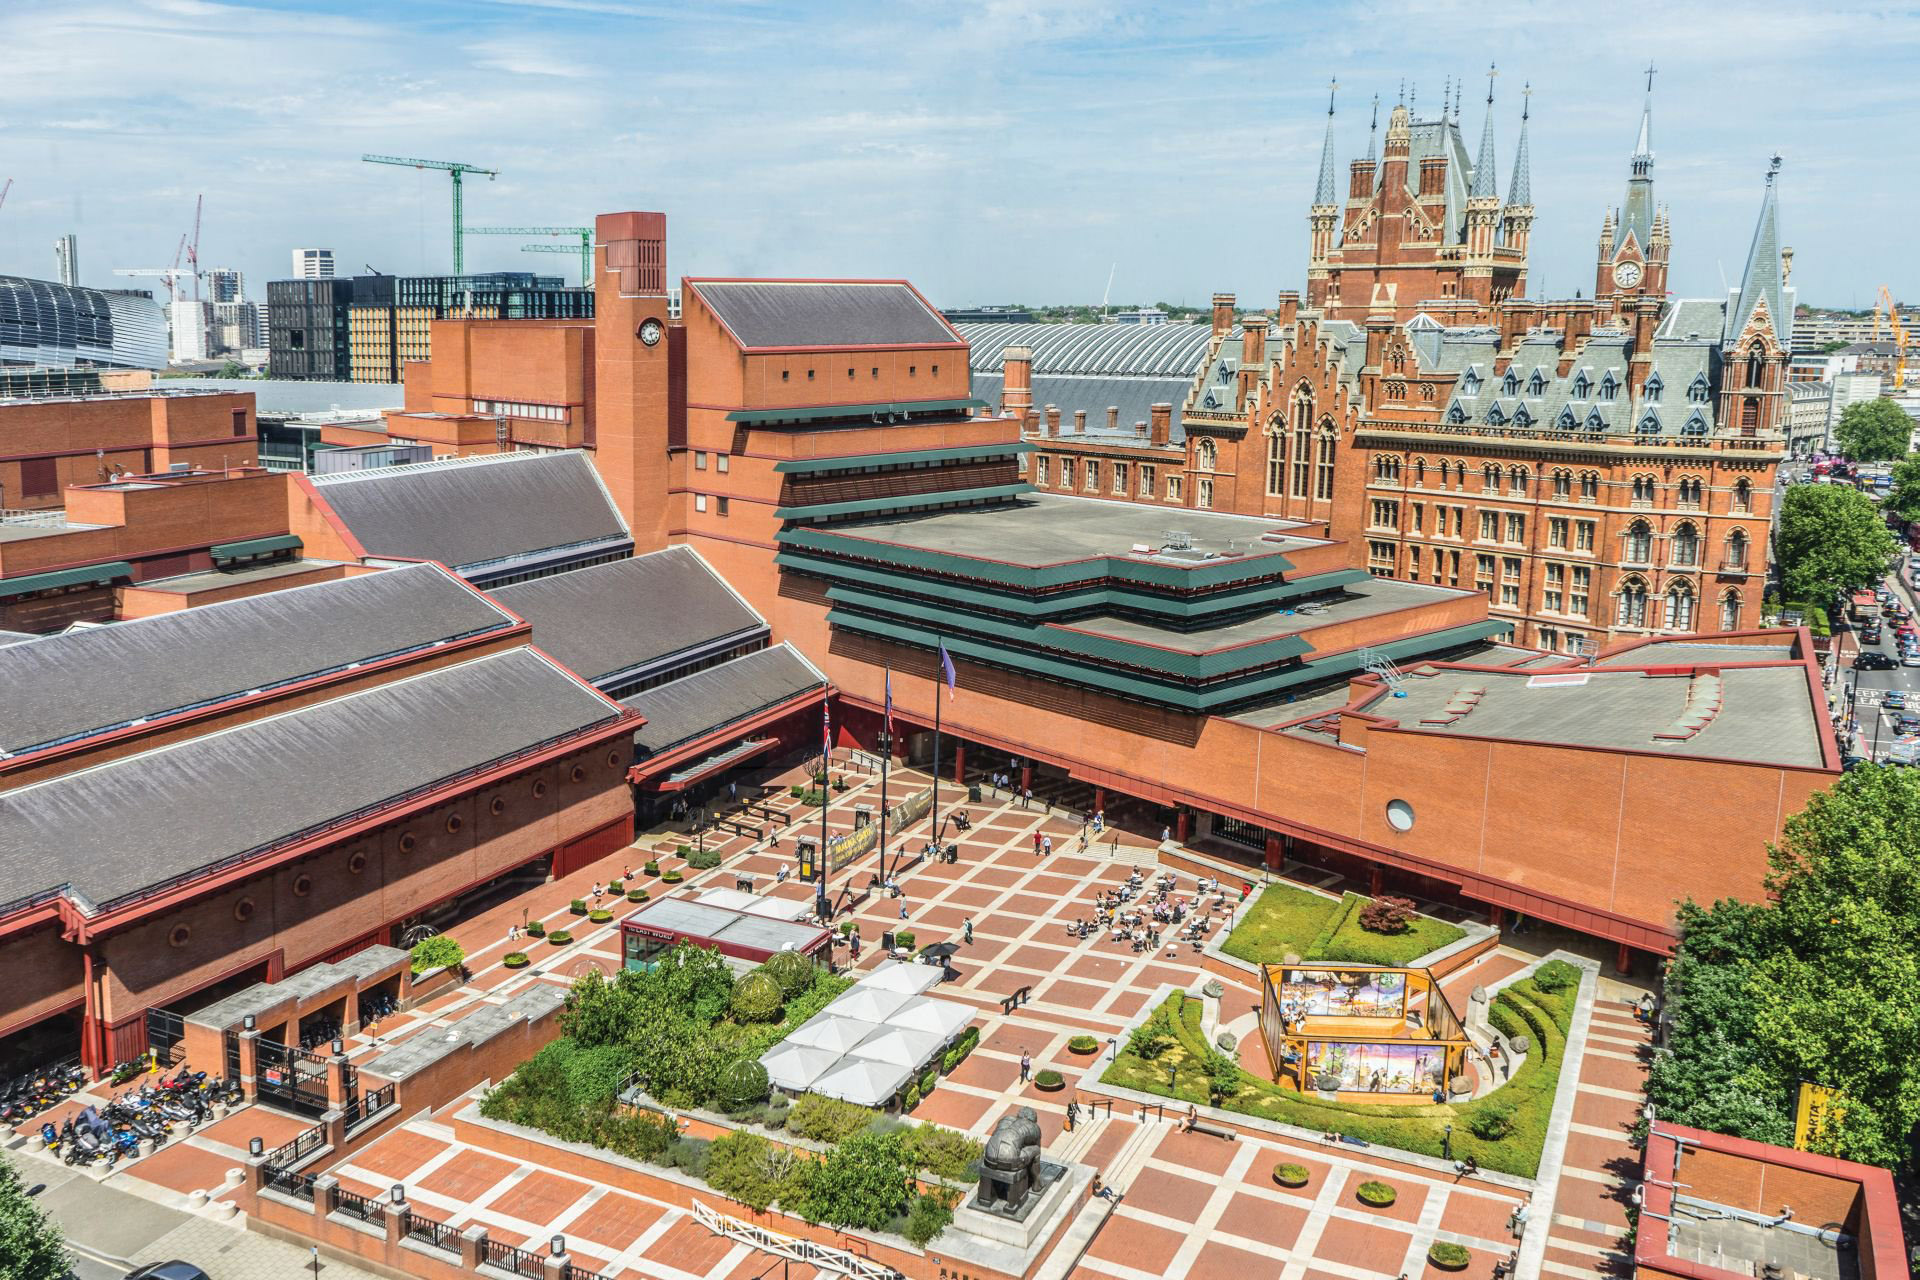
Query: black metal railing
point(378, 1098)
point(518, 1261)
point(437, 1234)
point(368, 1209)
point(581, 1273)
point(351, 1112)
point(297, 1185)
point(305, 1144)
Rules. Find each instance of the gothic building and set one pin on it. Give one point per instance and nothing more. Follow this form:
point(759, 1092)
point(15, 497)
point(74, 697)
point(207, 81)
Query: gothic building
point(1601, 468)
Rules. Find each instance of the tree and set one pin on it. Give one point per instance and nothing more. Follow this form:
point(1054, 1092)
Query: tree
point(437, 952)
point(862, 1183)
point(1874, 431)
point(1830, 539)
point(1904, 501)
point(31, 1247)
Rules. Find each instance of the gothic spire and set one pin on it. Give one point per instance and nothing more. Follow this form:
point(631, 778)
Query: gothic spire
point(1643, 145)
point(1323, 194)
point(1761, 280)
point(1636, 214)
point(1485, 180)
point(1522, 190)
point(1372, 125)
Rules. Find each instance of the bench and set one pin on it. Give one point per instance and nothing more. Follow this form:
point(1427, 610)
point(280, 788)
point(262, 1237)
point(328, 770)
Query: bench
point(1196, 1125)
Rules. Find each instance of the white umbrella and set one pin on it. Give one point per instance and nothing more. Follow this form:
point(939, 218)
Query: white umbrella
point(898, 1047)
point(943, 1018)
point(900, 975)
point(794, 1067)
point(869, 1004)
point(828, 1030)
point(863, 1081)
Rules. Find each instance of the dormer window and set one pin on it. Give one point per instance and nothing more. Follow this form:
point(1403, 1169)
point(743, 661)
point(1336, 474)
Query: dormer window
point(1696, 424)
point(1536, 385)
point(1495, 418)
point(1654, 388)
point(1650, 423)
point(1521, 418)
point(1609, 386)
point(1582, 386)
point(1470, 383)
point(1456, 415)
point(1512, 384)
point(1698, 390)
point(1566, 421)
point(1594, 421)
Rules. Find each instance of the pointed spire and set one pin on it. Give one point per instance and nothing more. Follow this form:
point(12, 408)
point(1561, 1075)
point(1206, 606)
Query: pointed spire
point(1522, 190)
point(1485, 179)
point(1373, 125)
point(1761, 281)
point(1323, 194)
point(1643, 145)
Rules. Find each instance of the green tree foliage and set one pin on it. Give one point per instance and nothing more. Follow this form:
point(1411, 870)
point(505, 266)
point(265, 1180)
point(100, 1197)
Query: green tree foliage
point(757, 998)
point(31, 1247)
point(1829, 539)
point(1816, 985)
point(437, 952)
point(1904, 501)
point(793, 971)
point(823, 1119)
point(863, 1182)
point(1874, 431)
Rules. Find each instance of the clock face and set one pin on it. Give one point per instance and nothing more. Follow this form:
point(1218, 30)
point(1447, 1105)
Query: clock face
point(650, 332)
point(1627, 275)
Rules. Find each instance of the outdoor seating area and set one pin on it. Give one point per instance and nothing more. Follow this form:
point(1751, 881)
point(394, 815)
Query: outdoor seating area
point(873, 1042)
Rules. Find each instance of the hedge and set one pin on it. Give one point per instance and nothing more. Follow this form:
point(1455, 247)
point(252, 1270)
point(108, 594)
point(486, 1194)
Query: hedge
point(437, 952)
point(536, 928)
point(514, 960)
point(671, 877)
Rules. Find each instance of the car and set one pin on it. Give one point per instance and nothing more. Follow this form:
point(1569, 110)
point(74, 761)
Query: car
point(1870, 634)
point(1894, 700)
point(1911, 658)
point(174, 1270)
point(1906, 753)
point(1874, 662)
point(1906, 723)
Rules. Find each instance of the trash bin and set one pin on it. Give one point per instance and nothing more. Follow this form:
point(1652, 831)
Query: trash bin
point(886, 941)
point(973, 792)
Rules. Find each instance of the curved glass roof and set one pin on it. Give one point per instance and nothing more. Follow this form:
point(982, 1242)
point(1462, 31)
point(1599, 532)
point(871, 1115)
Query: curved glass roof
point(1165, 350)
point(44, 323)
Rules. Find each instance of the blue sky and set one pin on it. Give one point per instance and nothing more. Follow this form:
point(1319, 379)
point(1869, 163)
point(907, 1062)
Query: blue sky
point(988, 152)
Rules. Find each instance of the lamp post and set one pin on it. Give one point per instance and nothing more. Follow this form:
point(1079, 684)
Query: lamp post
point(1446, 1143)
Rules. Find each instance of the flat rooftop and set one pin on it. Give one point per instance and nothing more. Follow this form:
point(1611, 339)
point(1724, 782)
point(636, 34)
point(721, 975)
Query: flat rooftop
point(187, 584)
point(1361, 600)
point(1049, 529)
point(1766, 714)
point(1690, 652)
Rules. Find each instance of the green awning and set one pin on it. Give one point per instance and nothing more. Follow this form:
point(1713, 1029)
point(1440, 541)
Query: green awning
point(801, 466)
point(814, 413)
point(901, 501)
point(83, 577)
point(256, 547)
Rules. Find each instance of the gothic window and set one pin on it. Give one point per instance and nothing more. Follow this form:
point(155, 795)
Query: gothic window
point(1203, 493)
point(1649, 423)
point(1521, 418)
point(1756, 364)
point(1679, 607)
point(1589, 485)
point(1582, 386)
point(1446, 471)
point(1749, 414)
point(1273, 462)
point(1459, 473)
point(1536, 385)
point(1323, 466)
point(1495, 417)
point(1639, 549)
point(1426, 392)
point(1696, 425)
point(1737, 549)
point(1632, 610)
point(1686, 545)
point(1742, 496)
point(1302, 443)
point(1517, 480)
point(1698, 390)
point(1690, 488)
point(1469, 383)
point(1456, 415)
point(1643, 489)
point(1654, 388)
point(1206, 455)
point(1562, 483)
point(1594, 421)
point(1609, 386)
point(1511, 385)
point(1730, 610)
point(1420, 473)
point(1490, 479)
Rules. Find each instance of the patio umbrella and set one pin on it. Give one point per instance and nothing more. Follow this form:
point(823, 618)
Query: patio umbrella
point(900, 975)
point(794, 1067)
point(870, 1004)
point(943, 1018)
point(829, 1030)
point(898, 1047)
point(863, 1081)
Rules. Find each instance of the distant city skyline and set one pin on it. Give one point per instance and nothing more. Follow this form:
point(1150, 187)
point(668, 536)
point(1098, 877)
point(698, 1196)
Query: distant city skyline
point(990, 153)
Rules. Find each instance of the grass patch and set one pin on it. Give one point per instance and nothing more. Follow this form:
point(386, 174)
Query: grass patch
point(1524, 1104)
point(1287, 920)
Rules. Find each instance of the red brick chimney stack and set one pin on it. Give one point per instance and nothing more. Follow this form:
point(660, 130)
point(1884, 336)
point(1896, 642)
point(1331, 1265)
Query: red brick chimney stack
point(1016, 382)
point(1080, 421)
point(1053, 419)
point(1286, 308)
point(1113, 417)
point(1222, 314)
point(1162, 430)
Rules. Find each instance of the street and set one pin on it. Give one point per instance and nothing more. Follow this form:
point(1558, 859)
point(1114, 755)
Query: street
point(1863, 690)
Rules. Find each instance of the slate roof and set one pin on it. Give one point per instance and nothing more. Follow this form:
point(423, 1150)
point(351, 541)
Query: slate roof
point(468, 512)
point(112, 831)
point(825, 313)
point(1133, 396)
point(1147, 350)
point(81, 682)
point(693, 705)
point(607, 619)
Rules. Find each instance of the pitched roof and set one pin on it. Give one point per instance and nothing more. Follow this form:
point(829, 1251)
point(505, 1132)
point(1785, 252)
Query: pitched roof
point(471, 512)
point(82, 682)
point(609, 619)
point(1150, 350)
point(686, 708)
point(1134, 397)
point(824, 313)
point(115, 830)
point(1761, 281)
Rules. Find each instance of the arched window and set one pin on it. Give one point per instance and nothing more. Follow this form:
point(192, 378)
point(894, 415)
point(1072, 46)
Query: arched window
point(1517, 480)
point(1730, 610)
point(1690, 491)
point(1490, 479)
point(1203, 493)
point(1649, 423)
point(1609, 386)
point(1562, 483)
point(1470, 383)
point(1698, 390)
point(1594, 421)
point(1536, 385)
point(1420, 473)
point(1582, 386)
point(1301, 451)
point(1496, 417)
point(1521, 417)
point(1273, 462)
point(1756, 364)
point(1566, 421)
point(1589, 485)
point(1679, 607)
point(1643, 488)
point(1696, 424)
point(1511, 383)
point(1686, 545)
point(1459, 473)
point(1654, 388)
point(1446, 470)
point(1639, 548)
point(1737, 549)
point(1456, 415)
point(1323, 466)
point(1632, 608)
point(1742, 496)
point(1206, 455)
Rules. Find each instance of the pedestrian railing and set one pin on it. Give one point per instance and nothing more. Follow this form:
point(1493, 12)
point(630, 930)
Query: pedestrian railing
point(519, 1261)
point(437, 1235)
point(368, 1209)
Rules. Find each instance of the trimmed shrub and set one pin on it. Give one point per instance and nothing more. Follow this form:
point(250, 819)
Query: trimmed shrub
point(847, 927)
point(514, 960)
point(793, 971)
point(1556, 976)
point(683, 849)
point(968, 1042)
point(1083, 1044)
point(636, 895)
point(904, 938)
point(1493, 1120)
point(671, 877)
point(599, 917)
point(1387, 915)
point(536, 928)
point(823, 1119)
point(945, 1153)
point(795, 790)
point(912, 1099)
point(1449, 1256)
point(1291, 1175)
point(703, 859)
point(559, 937)
point(437, 952)
point(778, 1106)
point(928, 1081)
point(756, 998)
point(616, 886)
point(742, 1084)
point(652, 868)
point(1048, 1079)
point(1377, 1194)
point(578, 906)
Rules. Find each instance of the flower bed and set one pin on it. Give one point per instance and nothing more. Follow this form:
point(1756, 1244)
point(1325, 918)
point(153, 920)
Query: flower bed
point(1083, 1045)
point(1291, 1175)
point(1378, 1195)
point(559, 937)
point(1049, 1081)
point(1448, 1256)
point(514, 960)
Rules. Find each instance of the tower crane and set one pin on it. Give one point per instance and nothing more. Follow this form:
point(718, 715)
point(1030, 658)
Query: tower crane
point(550, 248)
point(1885, 304)
point(586, 242)
point(166, 274)
point(193, 247)
point(455, 170)
point(4, 188)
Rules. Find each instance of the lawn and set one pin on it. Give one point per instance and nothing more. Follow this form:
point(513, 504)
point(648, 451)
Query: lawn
point(1286, 920)
point(1525, 1102)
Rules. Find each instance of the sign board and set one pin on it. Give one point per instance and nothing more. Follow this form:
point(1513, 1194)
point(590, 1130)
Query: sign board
point(844, 848)
point(1817, 1108)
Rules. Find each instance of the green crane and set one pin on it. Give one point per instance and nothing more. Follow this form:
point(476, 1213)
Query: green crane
point(456, 171)
point(553, 248)
point(586, 243)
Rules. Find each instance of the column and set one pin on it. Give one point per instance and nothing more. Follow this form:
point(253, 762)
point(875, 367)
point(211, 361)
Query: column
point(335, 1123)
point(1497, 916)
point(250, 1063)
point(323, 1188)
point(554, 1266)
point(959, 762)
point(396, 1222)
point(1373, 882)
point(1026, 776)
point(1182, 824)
point(1099, 799)
point(473, 1248)
point(1275, 859)
point(337, 1082)
point(1624, 960)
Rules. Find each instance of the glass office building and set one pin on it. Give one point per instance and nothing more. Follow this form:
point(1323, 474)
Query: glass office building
point(43, 323)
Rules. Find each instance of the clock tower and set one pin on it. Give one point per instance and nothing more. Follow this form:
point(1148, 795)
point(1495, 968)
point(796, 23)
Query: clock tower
point(1634, 243)
point(632, 366)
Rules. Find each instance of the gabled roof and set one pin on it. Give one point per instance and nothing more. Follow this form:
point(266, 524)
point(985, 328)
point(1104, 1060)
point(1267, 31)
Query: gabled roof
point(471, 512)
point(83, 682)
point(691, 706)
point(608, 620)
point(824, 313)
point(1761, 282)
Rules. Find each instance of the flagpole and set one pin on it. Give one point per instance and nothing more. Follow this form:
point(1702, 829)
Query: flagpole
point(938, 676)
point(820, 870)
point(886, 750)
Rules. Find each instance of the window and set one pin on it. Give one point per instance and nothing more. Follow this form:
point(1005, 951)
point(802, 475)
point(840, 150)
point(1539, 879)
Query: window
point(1380, 559)
point(1483, 575)
point(809, 375)
point(912, 369)
point(1730, 611)
point(1323, 467)
point(1413, 563)
point(1639, 548)
point(1643, 491)
point(1594, 421)
point(1749, 415)
point(876, 371)
point(1120, 477)
point(1756, 364)
point(785, 374)
point(1302, 446)
point(1517, 480)
point(1456, 416)
point(1654, 388)
point(1698, 390)
point(722, 463)
point(1459, 522)
point(1582, 386)
point(1173, 488)
point(1686, 545)
point(1690, 491)
point(1206, 455)
point(1537, 384)
point(849, 372)
point(1549, 639)
point(699, 502)
point(1737, 549)
point(1490, 479)
point(1582, 583)
point(1453, 568)
point(1554, 594)
point(1562, 484)
point(239, 422)
point(1511, 383)
point(1420, 472)
point(1649, 423)
point(1419, 516)
point(1273, 463)
point(1583, 535)
point(1040, 470)
point(1470, 384)
point(1496, 417)
point(1066, 473)
point(1146, 480)
point(1566, 421)
point(1679, 613)
point(699, 460)
point(1093, 475)
point(1695, 425)
point(39, 477)
point(1631, 609)
point(721, 505)
point(1489, 525)
point(1609, 386)
point(1203, 493)
point(1516, 527)
point(1386, 514)
point(1589, 486)
point(1510, 581)
point(1023, 464)
point(1742, 496)
point(1521, 417)
point(1557, 532)
point(1576, 641)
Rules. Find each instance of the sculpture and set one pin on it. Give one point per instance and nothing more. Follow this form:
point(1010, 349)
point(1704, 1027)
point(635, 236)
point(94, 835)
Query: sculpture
point(1007, 1165)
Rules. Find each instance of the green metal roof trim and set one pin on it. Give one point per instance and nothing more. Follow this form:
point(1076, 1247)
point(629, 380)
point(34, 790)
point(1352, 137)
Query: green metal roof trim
point(902, 502)
point(82, 577)
point(1201, 701)
point(256, 547)
point(815, 413)
point(802, 466)
point(1169, 662)
point(1205, 574)
point(1073, 601)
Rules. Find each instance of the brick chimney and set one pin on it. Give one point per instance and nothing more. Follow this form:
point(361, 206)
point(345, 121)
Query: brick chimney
point(1433, 176)
point(1222, 314)
point(1053, 419)
point(1032, 423)
point(1253, 337)
point(1360, 183)
point(1016, 382)
point(1162, 430)
point(1286, 308)
point(1080, 421)
point(1140, 428)
point(1113, 417)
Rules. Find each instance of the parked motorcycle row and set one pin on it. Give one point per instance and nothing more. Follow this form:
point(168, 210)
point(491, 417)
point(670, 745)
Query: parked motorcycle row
point(152, 1112)
point(29, 1095)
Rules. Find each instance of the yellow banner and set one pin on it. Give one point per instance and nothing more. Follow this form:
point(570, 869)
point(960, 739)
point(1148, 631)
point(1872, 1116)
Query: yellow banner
point(842, 849)
point(1817, 1108)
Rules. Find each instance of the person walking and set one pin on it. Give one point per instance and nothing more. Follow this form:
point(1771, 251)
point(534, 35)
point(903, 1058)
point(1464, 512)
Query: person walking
point(968, 932)
point(1026, 1067)
point(1046, 846)
point(1036, 844)
point(903, 909)
point(1026, 797)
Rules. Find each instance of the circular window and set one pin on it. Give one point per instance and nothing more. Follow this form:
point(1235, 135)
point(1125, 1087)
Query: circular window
point(243, 910)
point(613, 759)
point(539, 787)
point(454, 823)
point(407, 842)
point(496, 806)
point(577, 774)
point(356, 862)
point(302, 886)
point(1399, 815)
point(178, 937)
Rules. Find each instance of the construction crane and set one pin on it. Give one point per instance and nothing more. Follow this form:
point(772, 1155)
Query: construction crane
point(1885, 303)
point(193, 247)
point(551, 248)
point(456, 171)
point(4, 189)
point(585, 234)
point(167, 274)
